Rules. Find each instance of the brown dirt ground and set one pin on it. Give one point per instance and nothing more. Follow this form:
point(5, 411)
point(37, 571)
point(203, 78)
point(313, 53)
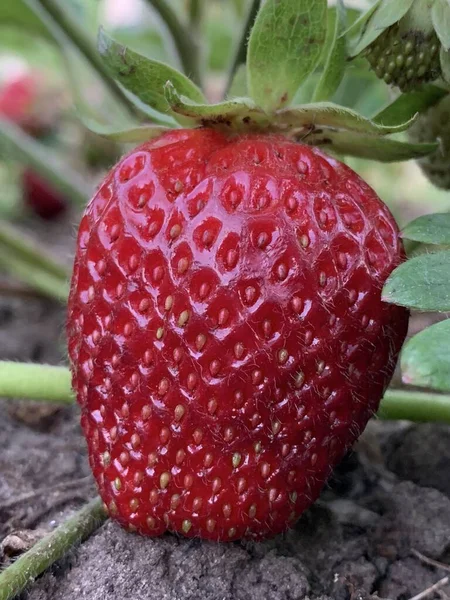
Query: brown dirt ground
point(385, 509)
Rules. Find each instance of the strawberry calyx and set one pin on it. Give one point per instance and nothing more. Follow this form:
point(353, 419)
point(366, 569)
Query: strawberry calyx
point(290, 42)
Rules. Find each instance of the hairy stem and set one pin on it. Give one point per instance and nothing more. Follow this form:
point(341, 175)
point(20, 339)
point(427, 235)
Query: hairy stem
point(240, 55)
point(35, 382)
point(410, 405)
point(15, 143)
point(15, 578)
point(187, 48)
point(63, 16)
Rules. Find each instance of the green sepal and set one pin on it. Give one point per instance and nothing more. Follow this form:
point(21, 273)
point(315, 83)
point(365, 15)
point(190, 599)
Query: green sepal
point(238, 87)
point(285, 46)
point(367, 146)
point(355, 28)
point(445, 64)
point(327, 114)
point(406, 106)
point(335, 57)
point(440, 15)
point(425, 359)
point(142, 76)
point(429, 229)
point(386, 14)
point(422, 283)
point(132, 135)
point(238, 114)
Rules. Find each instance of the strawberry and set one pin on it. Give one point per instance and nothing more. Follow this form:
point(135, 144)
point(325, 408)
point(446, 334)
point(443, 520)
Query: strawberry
point(24, 101)
point(405, 43)
point(17, 98)
point(41, 198)
point(227, 338)
point(429, 127)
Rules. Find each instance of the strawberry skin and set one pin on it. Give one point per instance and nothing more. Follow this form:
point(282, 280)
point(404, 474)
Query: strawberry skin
point(226, 332)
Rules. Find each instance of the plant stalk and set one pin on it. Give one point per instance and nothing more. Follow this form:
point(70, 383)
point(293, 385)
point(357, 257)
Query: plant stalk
point(15, 578)
point(417, 406)
point(196, 12)
point(44, 382)
point(26, 261)
point(187, 48)
point(14, 142)
point(35, 382)
point(61, 13)
point(240, 55)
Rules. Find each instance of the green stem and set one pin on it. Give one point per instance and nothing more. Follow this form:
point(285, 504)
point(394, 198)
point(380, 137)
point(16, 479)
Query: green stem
point(14, 142)
point(240, 55)
point(26, 261)
point(53, 383)
point(187, 48)
point(15, 578)
point(61, 14)
point(410, 405)
point(41, 281)
point(14, 241)
point(196, 11)
point(35, 382)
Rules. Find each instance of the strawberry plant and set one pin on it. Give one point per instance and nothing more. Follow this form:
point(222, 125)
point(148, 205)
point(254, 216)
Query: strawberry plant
point(240, 296)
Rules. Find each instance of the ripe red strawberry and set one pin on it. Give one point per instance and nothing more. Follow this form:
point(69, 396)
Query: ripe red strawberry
point(46, 202)
point(226, 332)
point(17, 98)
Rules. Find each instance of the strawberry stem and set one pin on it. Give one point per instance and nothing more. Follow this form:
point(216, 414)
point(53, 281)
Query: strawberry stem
point(53, 384)
point(27, 262)
point(240, 55)
point(35, 382)
point(21, 146)
point(417, 406)
point(187, 48)
point(15, 578)
point(62, 15)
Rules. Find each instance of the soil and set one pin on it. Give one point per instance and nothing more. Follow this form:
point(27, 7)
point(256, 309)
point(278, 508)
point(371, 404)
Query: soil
point(382, 517)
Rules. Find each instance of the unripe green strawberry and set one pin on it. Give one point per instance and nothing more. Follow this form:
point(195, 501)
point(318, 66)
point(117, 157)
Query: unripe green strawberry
point(405, 57)
point(431, 126)
point(407, 52)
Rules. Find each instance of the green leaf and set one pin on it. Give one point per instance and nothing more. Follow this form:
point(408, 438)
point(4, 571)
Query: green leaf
point(385, 15)
point(240, 113)
point(285, 46)
point(366, 146)
point(335, 62)
point(440, 15)
point(425, 359)
point(429, 229)
point(133, 135)
point(406, 106)
point(142, 76)
point(327, 114)
point(423, 283)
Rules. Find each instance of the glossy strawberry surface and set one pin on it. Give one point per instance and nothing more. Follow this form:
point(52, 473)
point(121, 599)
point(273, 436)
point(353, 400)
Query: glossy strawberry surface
point(226, 332)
